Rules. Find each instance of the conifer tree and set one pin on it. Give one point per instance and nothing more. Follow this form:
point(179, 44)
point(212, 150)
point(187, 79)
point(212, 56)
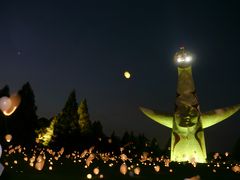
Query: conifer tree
point(23, 123)
point(45, 135)
point(84, 121)
point(97, 129)
point(68, 118)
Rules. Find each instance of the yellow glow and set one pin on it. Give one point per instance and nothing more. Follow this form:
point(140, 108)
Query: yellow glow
point(8, 137)
point(15, 101)
point(127, 74)
point(9, 112)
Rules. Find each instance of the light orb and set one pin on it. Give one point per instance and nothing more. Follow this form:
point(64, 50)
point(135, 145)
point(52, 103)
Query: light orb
point(123, 169)
point(89, 176)
point(137, 170)
point(127, 75)
point(157, 168)
point(5, 103)
point(8, 137)
point(96, 171)
point(9, 104)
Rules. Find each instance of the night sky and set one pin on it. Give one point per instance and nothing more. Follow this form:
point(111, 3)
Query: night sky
point(59, 46)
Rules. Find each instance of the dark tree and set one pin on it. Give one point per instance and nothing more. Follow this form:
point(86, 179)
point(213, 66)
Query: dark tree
point(142, 142)
point(67, 125)
point(115, 141)
point(84, 121)
point(97, 129)
point(3, 120)
point(4, 91)
point(125, 138)
point(43, 122)
point(154, 147)
point(236, 150)
point(24, 121)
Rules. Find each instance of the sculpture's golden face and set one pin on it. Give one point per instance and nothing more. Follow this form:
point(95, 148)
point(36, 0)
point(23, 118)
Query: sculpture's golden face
point(183, 58)
point(186, 116)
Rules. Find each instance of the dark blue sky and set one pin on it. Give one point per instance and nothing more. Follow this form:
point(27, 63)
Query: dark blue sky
point(59, 46)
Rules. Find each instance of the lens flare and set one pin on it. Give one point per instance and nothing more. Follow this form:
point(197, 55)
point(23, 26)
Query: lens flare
point(13, 102)
point(5, 103)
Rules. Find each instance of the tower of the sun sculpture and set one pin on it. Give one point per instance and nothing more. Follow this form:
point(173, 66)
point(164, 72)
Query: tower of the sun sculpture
point(187, 122)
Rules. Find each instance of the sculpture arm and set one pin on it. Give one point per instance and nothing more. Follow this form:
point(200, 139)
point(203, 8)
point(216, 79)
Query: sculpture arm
point(161, 118)
point(213, 117)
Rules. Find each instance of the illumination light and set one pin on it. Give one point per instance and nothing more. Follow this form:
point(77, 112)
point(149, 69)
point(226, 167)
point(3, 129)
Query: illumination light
point(188, 58)
point(127, 74)
point(89, 176)
point(179, 60)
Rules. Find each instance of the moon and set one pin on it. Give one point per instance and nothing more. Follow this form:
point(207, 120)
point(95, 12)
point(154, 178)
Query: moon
point(127, 75)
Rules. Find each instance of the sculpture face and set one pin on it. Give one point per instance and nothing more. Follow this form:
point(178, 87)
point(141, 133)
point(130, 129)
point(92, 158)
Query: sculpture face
point(186, 116)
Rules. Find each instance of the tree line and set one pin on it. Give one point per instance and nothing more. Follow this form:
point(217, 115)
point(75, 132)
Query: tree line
point(70, 128)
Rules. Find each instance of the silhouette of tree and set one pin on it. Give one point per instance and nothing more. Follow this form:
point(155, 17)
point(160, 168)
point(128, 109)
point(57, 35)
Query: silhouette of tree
point(154, 147)
point(43, 122)
point(125, 138)
point(4, 91)
point(236, 150)
point(97, 129)
point(3, 120)
point(23, 122)
point(67, 124)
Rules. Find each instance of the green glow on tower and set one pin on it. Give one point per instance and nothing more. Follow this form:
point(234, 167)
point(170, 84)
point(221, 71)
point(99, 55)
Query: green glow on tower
point(187, 122)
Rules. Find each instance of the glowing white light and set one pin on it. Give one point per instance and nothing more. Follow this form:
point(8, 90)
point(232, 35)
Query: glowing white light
point(188, 58)
point(179, 60)
point(89, 176)
point(101, 176)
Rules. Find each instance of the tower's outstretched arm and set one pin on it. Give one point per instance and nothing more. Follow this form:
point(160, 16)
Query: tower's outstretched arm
point(161, 118)
point(213, 117)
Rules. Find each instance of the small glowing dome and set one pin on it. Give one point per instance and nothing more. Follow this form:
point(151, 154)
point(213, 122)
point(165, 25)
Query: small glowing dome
point(183, 58)
point(8, 137)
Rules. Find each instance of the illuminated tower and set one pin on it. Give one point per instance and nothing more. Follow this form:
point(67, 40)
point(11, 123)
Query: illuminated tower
point(187, 122)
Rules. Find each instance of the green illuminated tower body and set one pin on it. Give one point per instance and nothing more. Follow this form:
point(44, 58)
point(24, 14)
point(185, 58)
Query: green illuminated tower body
point(187, 122)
